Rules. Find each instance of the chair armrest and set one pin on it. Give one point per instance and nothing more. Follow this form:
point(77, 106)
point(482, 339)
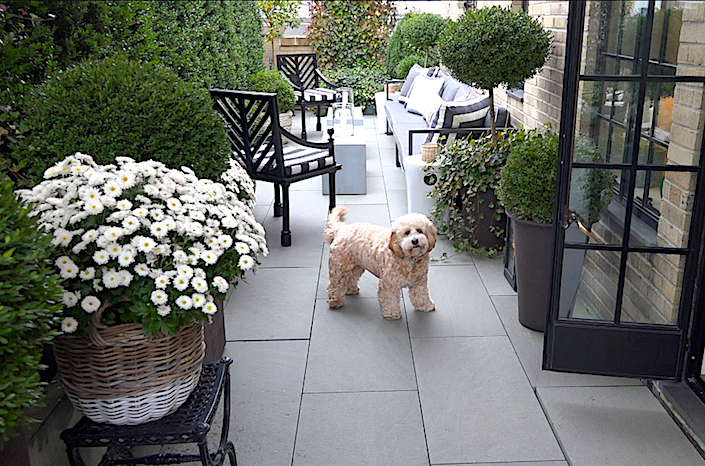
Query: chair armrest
point(476, 132)
point(302, 142)
point(296, 88)
point(391, 81)
point(326, 80)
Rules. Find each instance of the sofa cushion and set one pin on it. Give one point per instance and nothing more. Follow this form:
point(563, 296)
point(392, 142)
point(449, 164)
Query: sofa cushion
point(465, 92)
point(450, 88)
point(413, 72)
point(424, 96)
point(464, 114)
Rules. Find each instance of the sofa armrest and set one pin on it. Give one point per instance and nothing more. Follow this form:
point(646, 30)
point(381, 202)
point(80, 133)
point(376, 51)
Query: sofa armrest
point(391, 81)
point(475, 132)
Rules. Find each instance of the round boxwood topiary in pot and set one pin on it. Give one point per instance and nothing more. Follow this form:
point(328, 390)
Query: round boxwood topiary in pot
point(422, 32)
point(30, 307)
point(273, 81)
point(405, 65)
point(115, 107)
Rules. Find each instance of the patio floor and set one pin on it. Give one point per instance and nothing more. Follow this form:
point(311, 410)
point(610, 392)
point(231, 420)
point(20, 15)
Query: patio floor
point(462, 385)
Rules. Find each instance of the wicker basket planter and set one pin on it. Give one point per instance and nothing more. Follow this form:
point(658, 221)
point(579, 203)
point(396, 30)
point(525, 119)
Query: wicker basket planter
point(119, 376)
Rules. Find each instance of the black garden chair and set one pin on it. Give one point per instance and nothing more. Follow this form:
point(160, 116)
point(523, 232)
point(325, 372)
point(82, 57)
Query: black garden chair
point(301, 70)
point(256, 138)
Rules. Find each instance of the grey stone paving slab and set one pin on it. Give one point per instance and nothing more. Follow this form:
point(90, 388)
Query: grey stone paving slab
point(528, 345)
point(368, 282)
point(377, 214)
point(266, 380)
point(264, 193)
point(396, 199)
point(520, 463)
point(492, 274)
point(379, 428)
point(261, 212)
point(476, 406)
point(616, 426)
point(394, 177)
point(355, 349)
point(310, 184)
point(445, 254)
point(273, 304)
point(462, 306)
point(375, 194)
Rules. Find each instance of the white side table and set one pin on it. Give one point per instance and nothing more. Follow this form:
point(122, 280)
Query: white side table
point(418, 185)
point(351, 153)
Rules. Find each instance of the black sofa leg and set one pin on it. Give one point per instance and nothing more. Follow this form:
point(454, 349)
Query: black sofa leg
point(286, 233)
point(331, 191)
point(396, 153)
point(303, 122)
point(388, 131)
point(277, 200)
point(318, 118)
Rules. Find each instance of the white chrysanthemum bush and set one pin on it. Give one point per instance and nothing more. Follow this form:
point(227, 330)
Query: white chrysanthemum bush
point(142, 243)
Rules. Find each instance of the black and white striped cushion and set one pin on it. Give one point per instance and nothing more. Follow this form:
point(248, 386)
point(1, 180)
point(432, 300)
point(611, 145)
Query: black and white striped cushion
point(316, 95)
point(299, 159)
point(469, 113)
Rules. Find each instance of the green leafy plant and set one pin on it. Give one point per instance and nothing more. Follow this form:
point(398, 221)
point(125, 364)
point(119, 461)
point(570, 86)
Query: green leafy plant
point(277, 15)
point(349, 34)
point(405, 65)
point(527, 182)
point(398, 48)
point(468, 175)
point(596, 191)
point(489, 47)
point(29, 309)
point(422, 33)
point(116, 107)
point(273, 81)
point(364, 81)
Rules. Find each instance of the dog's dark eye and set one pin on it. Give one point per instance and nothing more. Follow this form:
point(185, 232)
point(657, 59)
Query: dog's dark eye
point(419, 230)
point(406, 233)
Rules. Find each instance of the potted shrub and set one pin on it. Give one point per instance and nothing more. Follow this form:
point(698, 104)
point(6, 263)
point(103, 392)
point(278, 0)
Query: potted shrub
point(422, 32)
point(489, 47)
point(273, 81)
point(466, 207)
point(277, 15)
point(143, 251)
point(30, 307)
point(526, 189)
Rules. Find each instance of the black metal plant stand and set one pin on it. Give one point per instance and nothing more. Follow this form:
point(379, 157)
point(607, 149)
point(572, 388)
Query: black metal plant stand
point(189, 424)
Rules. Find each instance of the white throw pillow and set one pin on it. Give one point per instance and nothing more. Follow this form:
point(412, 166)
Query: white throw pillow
point(424, 96)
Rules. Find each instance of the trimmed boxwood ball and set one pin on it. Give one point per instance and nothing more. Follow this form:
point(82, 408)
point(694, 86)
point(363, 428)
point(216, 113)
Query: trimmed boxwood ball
point(527, 183)
point(273, 81)
point(422, 32)
point(405, 65)
point(31, 291)
point(116, 107)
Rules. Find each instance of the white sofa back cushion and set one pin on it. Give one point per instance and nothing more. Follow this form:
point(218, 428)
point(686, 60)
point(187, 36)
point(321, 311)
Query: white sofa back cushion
point(415, 70)
point(424, 97)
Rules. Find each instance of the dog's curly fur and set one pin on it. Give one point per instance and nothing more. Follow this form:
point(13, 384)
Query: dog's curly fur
point(399, 257)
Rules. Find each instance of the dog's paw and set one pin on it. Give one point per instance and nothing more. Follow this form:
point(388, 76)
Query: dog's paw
point(428, 307)
point(392, 316)
point(335, 303)
point(353, 290)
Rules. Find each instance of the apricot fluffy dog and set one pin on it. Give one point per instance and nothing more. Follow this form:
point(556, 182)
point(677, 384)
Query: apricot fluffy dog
point(399, 257)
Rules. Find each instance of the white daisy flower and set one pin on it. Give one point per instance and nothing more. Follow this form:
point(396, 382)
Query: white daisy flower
point(209, 308)
point(68, 271)
point(198, 300)
point(79, 247)
point(108, 201)
point(221, 283)
point(90, 235)
point(200, 273)
point(246, 262)
point(142, 270)
point(131, 223)
point(70, 298)
point(113, 233)
point(193, 229)
point(114, 249)
point(185, 271)
point(125, 278)
point(162, 281)
point(196, 215)
point(87, 274)
point(180, 256)
point(159, 229)
point(164, 310)
point(125, 259)
point(225, 241)
point(209, 257)
point(63, 261)
point(51, 172)
point(140, 212)
point(151, 189)
point(157, 214)
point(111, 279)
point(229, 222)
point(199, 284)
point(69, 325)
point(144, 243)
point(62, 237)
point(126, 179)
point(112, 188)
point(184, 302)
point(181, 283)
point(159, 297)
point(174, 205)
point(89, 193)
point(96, 284)
point(242, 248)
point(124, 204)
point(94, 207)
point(90, 304)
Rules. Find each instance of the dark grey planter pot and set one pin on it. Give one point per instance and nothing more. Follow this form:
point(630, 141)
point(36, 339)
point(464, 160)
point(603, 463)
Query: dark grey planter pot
point(484, 218)
point(533, 246)
point(214, 333)
point(369, 110)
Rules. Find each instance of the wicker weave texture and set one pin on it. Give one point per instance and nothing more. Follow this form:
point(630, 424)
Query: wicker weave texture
point(123, 377)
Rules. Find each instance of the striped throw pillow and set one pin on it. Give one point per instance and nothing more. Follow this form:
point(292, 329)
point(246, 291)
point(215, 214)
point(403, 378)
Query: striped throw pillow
point(464, 114)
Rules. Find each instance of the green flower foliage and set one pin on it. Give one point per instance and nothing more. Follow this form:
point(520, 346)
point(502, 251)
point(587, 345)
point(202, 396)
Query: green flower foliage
point(422, 33)
point(405, 65)
point(398, 48)
point(347, 34)
point(467, 169)
point(30, 302)
point(364, 81)
point(273, 81)
point(116, 107)
point(527, 182)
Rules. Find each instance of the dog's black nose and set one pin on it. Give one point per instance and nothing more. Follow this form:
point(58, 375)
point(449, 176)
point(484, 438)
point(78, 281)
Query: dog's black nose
point(415, 241)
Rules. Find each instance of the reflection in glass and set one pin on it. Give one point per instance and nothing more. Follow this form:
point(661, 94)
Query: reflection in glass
point(592, 200)
point(652, 288)
point(665, 38)
point(589, 282)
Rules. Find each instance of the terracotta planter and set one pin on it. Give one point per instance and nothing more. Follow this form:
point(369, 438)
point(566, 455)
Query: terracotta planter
point(533, 246)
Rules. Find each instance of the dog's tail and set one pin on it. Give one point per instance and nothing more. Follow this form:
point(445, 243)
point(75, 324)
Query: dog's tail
point(336, 219)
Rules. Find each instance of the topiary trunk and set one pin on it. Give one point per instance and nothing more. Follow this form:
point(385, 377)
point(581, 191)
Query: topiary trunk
point(493, 125)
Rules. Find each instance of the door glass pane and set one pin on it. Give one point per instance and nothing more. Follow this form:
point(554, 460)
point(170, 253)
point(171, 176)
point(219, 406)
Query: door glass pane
point(652, 288)
point(614, 35)
point(665, 38)
point(592, 199)
point(605, 111)
point(589, 282)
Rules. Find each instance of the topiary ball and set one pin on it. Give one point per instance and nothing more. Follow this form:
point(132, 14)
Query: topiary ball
point(273, 81)
point(116, 107)
point(405, 65)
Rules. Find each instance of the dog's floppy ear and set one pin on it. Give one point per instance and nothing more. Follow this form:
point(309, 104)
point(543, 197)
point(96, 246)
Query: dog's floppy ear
point(431, 234)
point(395, 246)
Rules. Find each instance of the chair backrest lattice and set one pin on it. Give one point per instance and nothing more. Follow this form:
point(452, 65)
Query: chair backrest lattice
point(300, 69)
point(252, 120)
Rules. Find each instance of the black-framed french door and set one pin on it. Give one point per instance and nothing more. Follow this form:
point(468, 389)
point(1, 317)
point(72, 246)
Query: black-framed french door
point(629, 213)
